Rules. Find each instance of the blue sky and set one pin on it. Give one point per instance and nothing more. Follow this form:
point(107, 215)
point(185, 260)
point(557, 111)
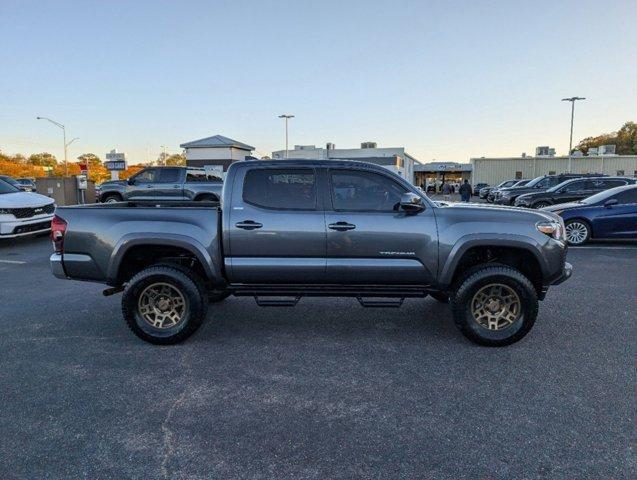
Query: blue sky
point(448, 80)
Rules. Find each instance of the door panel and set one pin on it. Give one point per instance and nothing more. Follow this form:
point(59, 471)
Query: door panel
point(381, 244)
point(618, 221)
point(276, 229)
point(142, 187)
point(169, 184)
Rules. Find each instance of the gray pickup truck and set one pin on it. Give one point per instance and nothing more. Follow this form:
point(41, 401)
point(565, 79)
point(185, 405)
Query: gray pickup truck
point(292, 228)
point(163, 183)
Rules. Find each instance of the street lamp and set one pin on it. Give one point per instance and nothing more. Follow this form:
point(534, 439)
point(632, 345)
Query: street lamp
point(570, 142)
point(57, 124)
point(287, 117)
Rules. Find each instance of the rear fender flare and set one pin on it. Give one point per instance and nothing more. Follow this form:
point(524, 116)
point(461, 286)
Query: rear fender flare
point(167, 239)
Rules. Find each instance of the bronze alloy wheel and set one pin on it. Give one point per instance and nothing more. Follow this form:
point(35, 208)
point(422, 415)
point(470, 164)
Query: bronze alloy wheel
point(496, 306)
point(162, 305)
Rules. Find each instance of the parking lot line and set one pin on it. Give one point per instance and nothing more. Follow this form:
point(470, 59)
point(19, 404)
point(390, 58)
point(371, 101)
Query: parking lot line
point(13, 262)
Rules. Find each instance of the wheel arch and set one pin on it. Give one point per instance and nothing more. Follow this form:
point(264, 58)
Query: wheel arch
point(457, 260)
point(152, 242)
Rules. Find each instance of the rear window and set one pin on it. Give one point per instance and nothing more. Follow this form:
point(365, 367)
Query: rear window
point(283, 189)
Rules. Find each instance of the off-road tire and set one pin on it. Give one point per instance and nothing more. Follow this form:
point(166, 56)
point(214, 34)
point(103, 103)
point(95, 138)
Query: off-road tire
point(193, 316)
point(471, 283)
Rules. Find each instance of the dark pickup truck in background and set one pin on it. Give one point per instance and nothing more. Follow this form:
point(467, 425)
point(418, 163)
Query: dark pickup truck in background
point(163, 183)
point(295, 228)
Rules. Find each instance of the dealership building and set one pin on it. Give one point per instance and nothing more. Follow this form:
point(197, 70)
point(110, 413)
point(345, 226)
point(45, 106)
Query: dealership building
point(493, 170)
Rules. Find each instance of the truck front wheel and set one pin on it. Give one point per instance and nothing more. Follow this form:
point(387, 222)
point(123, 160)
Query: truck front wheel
point(163, 305)
point(494, 306)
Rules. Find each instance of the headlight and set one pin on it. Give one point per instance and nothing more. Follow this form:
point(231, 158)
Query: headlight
point(552, 229)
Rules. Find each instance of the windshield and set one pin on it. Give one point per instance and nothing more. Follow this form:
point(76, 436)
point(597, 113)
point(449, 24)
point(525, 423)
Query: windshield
point(6, 187)
point(521, 183)
point(534, 182)
point(558, 186)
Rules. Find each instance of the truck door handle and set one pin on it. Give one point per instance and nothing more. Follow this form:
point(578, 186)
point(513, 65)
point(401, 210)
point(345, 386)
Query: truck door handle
point(248, 225)
point(341, 226)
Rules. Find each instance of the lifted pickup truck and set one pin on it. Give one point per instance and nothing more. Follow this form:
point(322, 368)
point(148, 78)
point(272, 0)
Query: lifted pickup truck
point(293, 228)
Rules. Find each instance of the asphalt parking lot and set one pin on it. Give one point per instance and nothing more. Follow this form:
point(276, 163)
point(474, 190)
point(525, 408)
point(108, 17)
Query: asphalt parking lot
point(324, 390)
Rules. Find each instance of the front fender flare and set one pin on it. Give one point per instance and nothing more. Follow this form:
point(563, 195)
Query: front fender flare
point(489, 240)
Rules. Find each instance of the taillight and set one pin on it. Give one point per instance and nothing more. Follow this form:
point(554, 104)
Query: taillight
point(58, 229)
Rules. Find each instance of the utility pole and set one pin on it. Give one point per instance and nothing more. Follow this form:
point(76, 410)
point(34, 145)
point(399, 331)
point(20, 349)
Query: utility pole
point(287, 117)
point(570, 142)
point(57, 124)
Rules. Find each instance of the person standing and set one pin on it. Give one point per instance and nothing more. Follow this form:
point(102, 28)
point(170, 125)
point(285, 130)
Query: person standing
point(465, 191)
point(446, 190)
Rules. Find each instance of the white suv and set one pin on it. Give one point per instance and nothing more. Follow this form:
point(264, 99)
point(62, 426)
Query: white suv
point(23, 213)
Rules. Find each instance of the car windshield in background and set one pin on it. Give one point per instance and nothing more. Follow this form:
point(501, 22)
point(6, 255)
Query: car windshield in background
point(534, 182)
point(558, 186)
point(6, 187)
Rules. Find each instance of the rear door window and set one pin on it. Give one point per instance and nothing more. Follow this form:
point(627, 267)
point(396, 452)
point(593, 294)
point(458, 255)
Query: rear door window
point(169, 175)
point(281, 189)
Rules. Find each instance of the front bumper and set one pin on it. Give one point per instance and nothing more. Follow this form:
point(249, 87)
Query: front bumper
point(13, 227)
point(566, 274)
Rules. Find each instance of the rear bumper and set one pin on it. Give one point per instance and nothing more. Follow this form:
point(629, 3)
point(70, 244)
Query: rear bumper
point(56, 266)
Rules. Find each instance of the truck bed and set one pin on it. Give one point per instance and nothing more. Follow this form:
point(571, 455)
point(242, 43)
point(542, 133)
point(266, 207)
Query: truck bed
point(99, 237)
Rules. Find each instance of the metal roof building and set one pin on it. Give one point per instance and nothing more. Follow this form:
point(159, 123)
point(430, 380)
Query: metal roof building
point(216, 150)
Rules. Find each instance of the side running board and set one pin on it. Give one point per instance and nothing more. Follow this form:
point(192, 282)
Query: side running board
point(277, 302)
point(380, 302)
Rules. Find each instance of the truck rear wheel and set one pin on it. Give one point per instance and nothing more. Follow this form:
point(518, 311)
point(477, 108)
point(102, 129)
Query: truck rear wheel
point(163, 305)
point(494, 306)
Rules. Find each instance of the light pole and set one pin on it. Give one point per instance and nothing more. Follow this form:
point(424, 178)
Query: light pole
point(163, 155)
point(287, 117)
point(57, 124)
point(570, 142)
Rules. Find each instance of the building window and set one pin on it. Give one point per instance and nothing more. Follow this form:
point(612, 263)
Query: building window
point(518, 175)
point(551, 172)
point(620, 173)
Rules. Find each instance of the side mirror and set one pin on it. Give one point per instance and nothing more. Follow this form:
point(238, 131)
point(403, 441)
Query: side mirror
point(610, 203)
point(411, 203)
point(131, 181)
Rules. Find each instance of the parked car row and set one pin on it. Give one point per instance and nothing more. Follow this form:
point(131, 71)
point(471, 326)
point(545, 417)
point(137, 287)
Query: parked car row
point(24, 184)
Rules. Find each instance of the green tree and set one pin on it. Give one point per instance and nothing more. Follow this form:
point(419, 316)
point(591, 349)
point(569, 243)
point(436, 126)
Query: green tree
point(625, 139)
point(43, 159)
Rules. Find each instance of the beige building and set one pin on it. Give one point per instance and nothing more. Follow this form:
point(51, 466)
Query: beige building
point(496, 170)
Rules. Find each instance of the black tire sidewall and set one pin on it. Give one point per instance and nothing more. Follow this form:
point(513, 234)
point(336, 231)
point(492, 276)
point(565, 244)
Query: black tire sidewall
point(461, 305)
point(193, 316)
